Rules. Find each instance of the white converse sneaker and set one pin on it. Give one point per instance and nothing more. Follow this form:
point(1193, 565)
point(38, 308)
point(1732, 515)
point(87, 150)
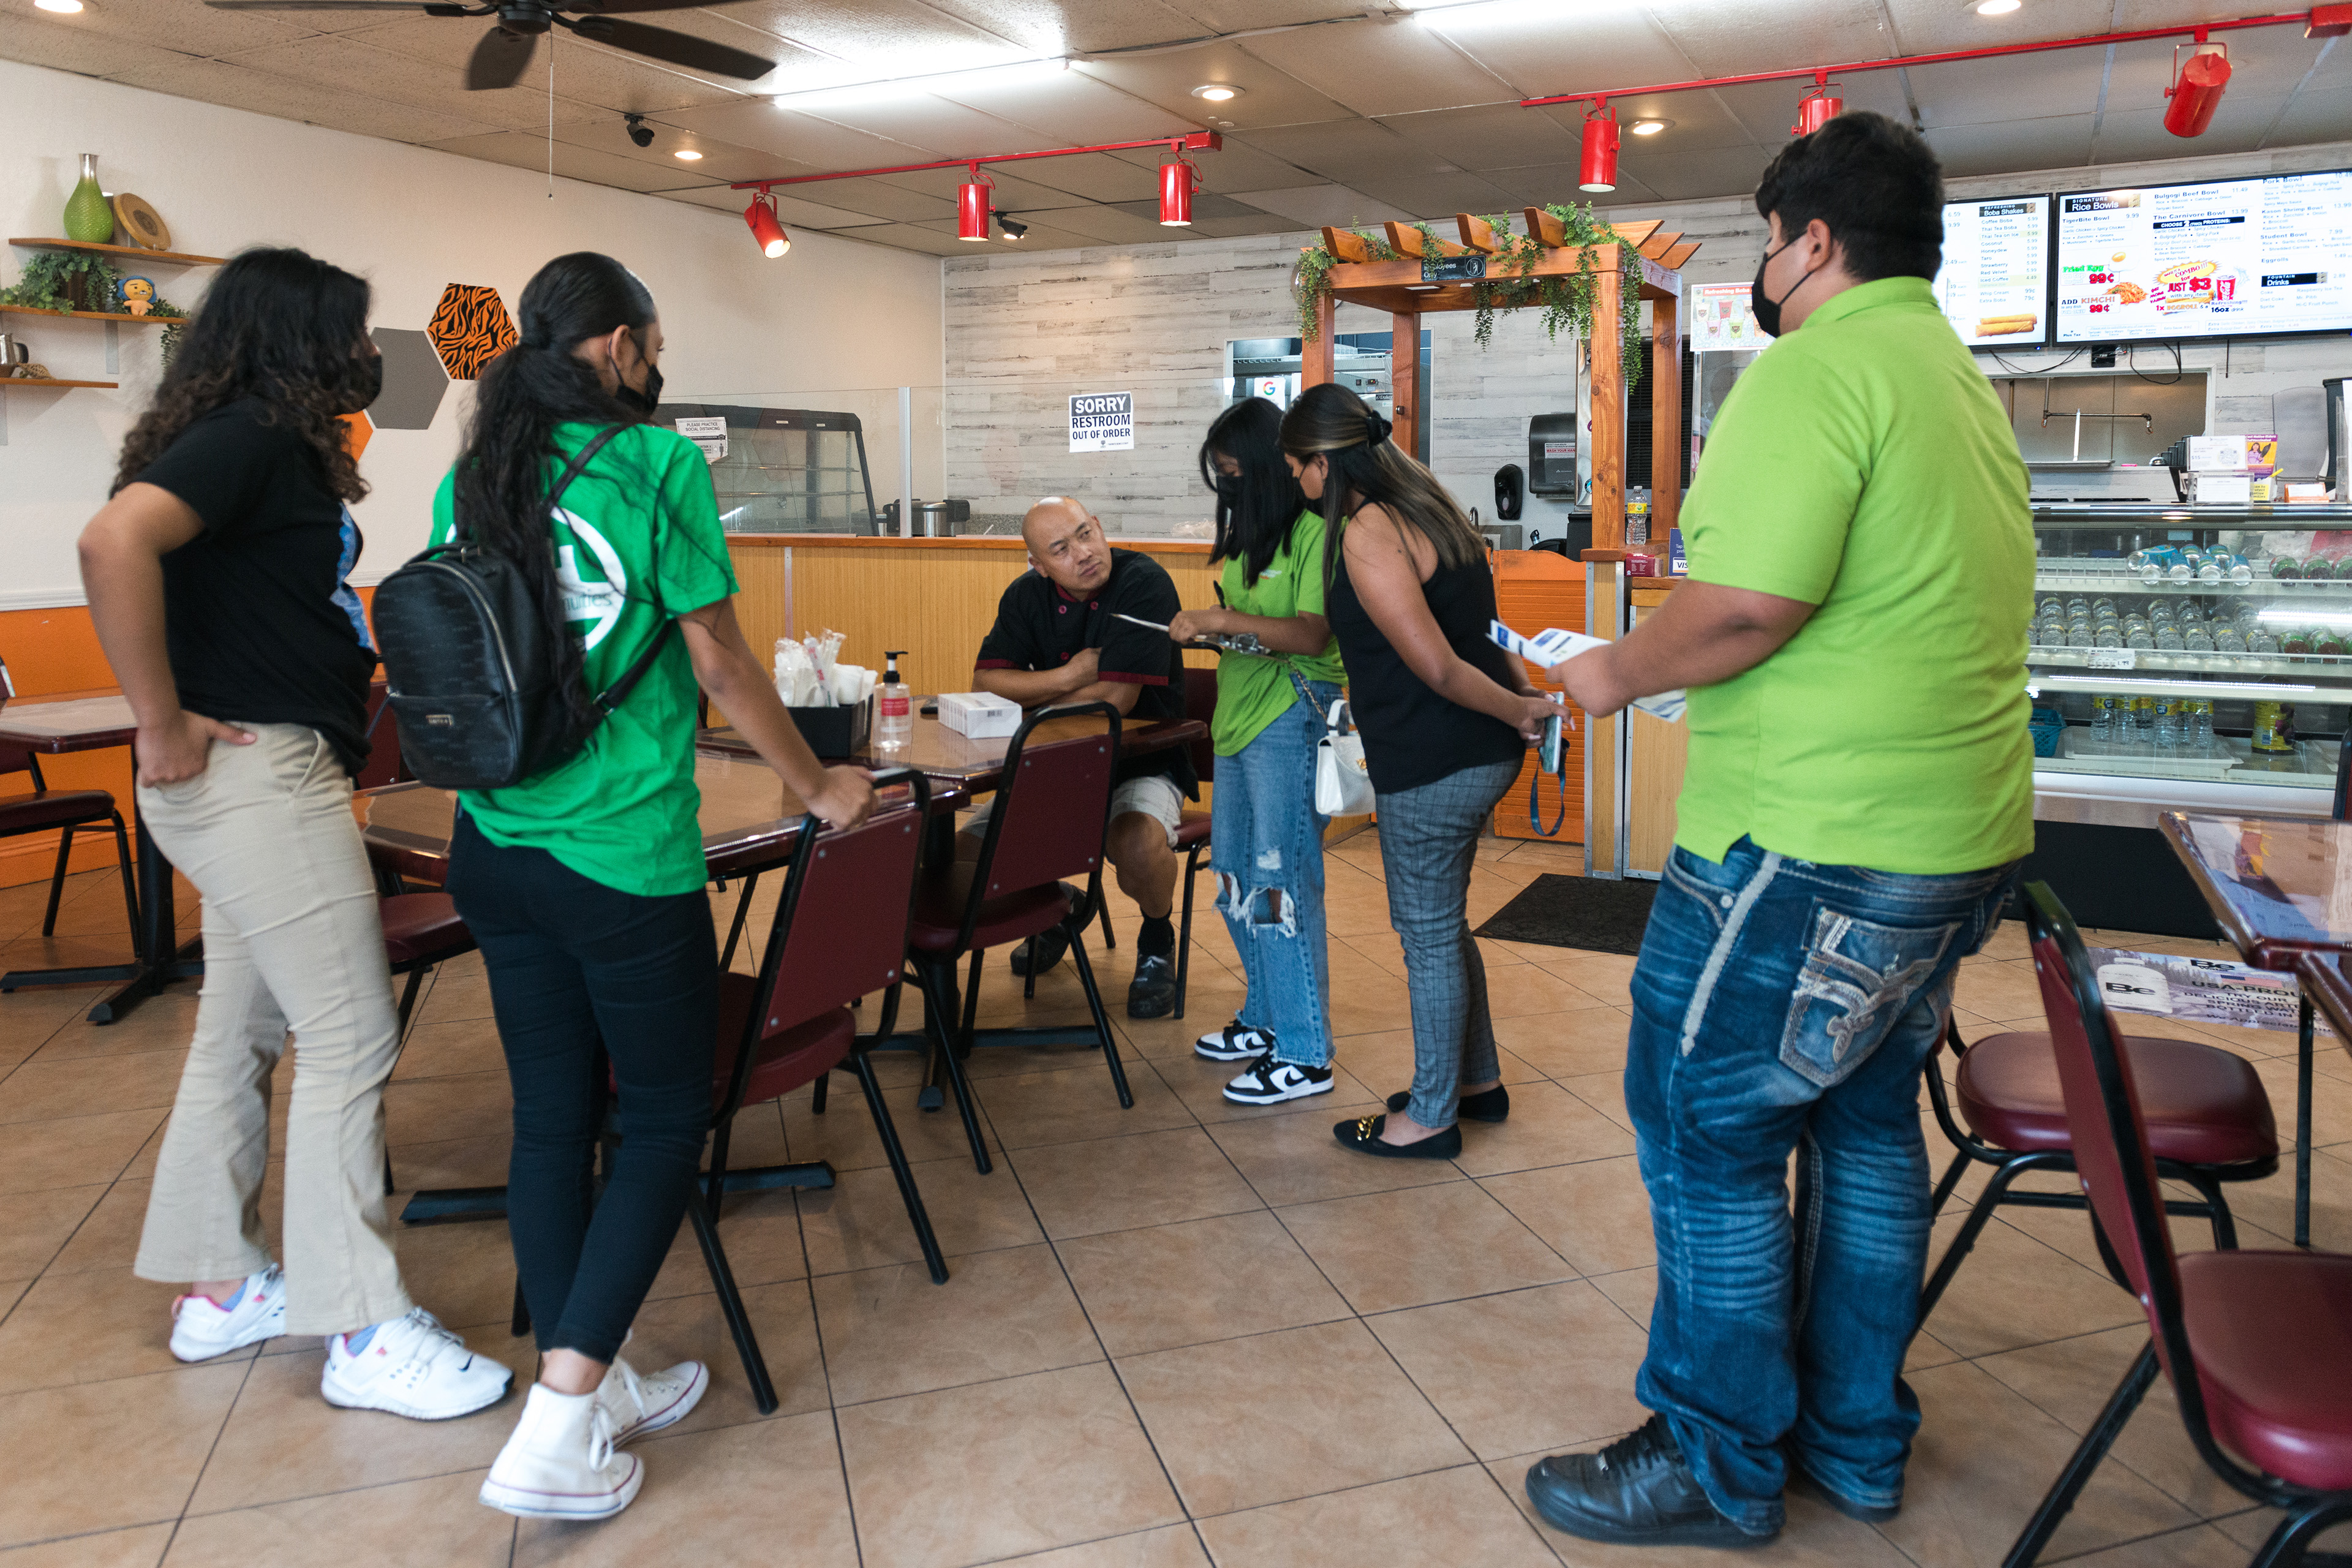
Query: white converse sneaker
point(1267, 1081)
point(638, 1402)
point(1236, 1042)
point(560, 1462)
point(414, 1367)
point(202, 1327)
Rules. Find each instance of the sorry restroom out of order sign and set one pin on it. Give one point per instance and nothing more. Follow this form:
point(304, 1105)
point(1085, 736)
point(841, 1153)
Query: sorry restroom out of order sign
point(1102, 422)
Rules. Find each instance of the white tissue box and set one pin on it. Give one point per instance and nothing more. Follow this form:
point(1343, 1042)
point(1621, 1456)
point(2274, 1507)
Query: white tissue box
point(978, 714)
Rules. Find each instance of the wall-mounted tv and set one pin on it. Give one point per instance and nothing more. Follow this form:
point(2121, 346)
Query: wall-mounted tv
point(1994, 286)
point(2214, 259)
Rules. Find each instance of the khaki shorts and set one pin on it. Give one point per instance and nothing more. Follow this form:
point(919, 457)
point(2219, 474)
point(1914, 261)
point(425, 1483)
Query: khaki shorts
point(1154, 795)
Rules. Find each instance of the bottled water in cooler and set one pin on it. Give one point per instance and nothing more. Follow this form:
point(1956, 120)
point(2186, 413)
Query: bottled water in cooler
point(2168, 725)
point(2202, 738)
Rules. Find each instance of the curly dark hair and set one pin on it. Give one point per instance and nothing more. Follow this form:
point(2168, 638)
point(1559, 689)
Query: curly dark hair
point(279, 325)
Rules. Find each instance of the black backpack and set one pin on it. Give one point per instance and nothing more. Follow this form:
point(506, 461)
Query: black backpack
point(470, 660)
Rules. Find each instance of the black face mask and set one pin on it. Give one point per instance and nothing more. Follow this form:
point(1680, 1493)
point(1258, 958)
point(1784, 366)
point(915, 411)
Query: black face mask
point(1767, 308)
point(362, 384)
point(1229, 489)
point(644, 402)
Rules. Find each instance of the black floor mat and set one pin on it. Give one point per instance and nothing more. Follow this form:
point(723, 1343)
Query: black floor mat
point(1576, 912)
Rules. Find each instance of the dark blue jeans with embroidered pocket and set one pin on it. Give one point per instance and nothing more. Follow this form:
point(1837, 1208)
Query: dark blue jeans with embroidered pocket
point(1784, 1007)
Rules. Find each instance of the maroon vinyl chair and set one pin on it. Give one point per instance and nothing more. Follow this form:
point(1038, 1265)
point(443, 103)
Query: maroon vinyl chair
point(1193, 827)
point(2208, 1123)
point(421, 932)
point(840, 933)
point(2258, 1345)
point(1051, 814)
point(63, 811)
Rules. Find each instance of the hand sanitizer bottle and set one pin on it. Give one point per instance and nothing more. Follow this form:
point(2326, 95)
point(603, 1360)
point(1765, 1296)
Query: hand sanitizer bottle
point(894, 706)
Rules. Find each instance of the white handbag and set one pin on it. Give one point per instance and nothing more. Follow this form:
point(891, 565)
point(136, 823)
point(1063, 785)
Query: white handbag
point(1343, 783)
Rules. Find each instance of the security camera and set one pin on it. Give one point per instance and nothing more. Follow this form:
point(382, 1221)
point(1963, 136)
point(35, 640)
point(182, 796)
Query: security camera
point(639, 131)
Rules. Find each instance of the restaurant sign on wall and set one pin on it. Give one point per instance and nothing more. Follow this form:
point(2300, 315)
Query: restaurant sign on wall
point(1102, 422)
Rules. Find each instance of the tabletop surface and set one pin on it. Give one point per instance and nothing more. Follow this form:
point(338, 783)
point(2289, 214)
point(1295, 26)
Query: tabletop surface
point(748, 817)
point(2280, 885)
point(71, 722)
point(938, 751)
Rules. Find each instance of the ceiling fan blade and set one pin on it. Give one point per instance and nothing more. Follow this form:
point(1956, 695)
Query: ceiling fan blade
point(676, 49)
point(498, 59)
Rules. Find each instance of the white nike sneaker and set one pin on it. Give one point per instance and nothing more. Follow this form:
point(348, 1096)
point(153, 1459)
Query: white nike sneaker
point(413, 1367)
point(1269, 1082)
point(560, 1462)
point(1235, 1042)
point(637, 1403)
point(202, 1327)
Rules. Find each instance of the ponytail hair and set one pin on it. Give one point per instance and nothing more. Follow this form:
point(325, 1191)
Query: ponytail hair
point(501, 483)
point(1366, 469)
point(1254, 520)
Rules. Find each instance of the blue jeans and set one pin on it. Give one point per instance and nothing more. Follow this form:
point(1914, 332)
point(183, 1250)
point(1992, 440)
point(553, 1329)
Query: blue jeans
point(1266, 846)
point(1429, 840)
point(1780, 1005)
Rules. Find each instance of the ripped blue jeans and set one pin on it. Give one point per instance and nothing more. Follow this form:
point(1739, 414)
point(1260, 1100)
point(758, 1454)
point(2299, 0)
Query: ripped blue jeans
point(1266, 846)
point(1782, 1007)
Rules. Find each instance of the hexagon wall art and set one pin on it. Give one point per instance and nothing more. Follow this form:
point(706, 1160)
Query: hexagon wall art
point(470, 328)
point(413, 380)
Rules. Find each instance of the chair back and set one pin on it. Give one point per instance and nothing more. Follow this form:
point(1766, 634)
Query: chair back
point(1053, 808)
point(1201, 705)
point(16, 759)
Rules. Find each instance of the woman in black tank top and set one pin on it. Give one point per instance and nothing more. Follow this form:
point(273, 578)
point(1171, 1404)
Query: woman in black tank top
point(1446, 717)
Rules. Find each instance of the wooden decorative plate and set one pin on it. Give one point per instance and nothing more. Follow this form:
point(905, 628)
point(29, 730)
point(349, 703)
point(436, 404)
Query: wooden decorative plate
point(140, 222)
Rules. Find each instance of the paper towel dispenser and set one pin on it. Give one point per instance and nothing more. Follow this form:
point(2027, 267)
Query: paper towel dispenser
point(1551, 456)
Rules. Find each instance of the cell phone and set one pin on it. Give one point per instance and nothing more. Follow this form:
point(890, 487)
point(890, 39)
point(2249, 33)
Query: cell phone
point(931, 710)
point(1549, 749)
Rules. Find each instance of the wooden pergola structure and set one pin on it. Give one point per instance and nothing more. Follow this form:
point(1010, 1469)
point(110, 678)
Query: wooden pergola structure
point(1399, 288)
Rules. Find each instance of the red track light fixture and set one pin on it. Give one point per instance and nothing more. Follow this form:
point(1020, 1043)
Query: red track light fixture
point(1817, 107)
point(974, 203)
point(2196, 89)
point(1178, 181)
point(766, 228)
point(1598, 169)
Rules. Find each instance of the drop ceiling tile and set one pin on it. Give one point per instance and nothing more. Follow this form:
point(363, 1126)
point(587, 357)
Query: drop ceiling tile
point(1696, 121)
point(2058, 143)
point(176, 23)
point(720, 161)
point(1730, 37)
point(1097, 176)
point(2138, 135)
point(1233, 168)
point(1071, 106)
point(36, 41)
point(1316, 207)
point(1043, 235)
point(1500, 136)
point(1237, 15)
point(585, 72)
point(1527, 46)
point(1769, 108)
point(2268, 62)
point(1932, 27)
point(1268, 96)
point(1342, 150)
point(1205, 207)
point(2313, 117)
point(806, 143)
point(878, 202)
point(2014, 88)
point(942, 129)
point(1061, 27)
point(872, 39)
point(795, 214)
point(1545, 184)
point(1243, 228)
point(524, 150)
point(1406, 194)
point(795, 65)
point(1111, 225)
point(215, 81)
point(1015, 192)
point(907, 237)
point(1383, 68)
point(350, 62)
point(1689, 176)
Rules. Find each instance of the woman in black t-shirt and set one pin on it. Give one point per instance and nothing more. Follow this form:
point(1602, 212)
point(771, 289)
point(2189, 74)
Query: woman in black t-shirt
point(216, 577)
point(1445, 715)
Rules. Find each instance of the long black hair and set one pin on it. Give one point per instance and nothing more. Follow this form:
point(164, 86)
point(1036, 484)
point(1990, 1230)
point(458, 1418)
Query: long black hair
point(1366, 468)
point(1256, 511)
point(501, 489)
point(279, 325)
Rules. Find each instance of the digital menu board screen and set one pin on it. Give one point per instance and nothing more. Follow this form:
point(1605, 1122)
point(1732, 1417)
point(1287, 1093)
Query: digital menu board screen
point(1994, 286)
point(2220, 258)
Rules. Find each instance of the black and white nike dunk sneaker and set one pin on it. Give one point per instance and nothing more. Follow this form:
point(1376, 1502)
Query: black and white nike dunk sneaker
point(1236, 1042)
point(1269, 1082)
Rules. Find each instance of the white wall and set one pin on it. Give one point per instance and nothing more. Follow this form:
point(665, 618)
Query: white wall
point(832, 315)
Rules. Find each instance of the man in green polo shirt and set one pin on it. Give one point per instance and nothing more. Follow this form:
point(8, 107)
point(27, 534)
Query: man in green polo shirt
point(1858, 794)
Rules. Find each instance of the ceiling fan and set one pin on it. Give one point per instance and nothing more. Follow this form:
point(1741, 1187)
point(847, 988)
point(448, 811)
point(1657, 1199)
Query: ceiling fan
point(498, 60)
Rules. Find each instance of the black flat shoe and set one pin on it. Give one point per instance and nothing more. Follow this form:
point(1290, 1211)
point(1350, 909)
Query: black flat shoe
point(1492, 1106)
point(1041, 952)
point(1637, 1492)
point(1363, 1136)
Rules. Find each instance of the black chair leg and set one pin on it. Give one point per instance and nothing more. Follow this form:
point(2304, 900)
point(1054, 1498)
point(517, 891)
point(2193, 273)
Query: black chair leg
point(731, 1303)
point(817, 1094)
point(735, 931)
point(2094, 1448)
point(2290, 1543)
point(971, 1002)
point(1102, 1022)
point(1184, 933)
point(935, 1016)
point(408, 1002)
point(521, 1324)
point(388, 1188)
point(1111, 941)
point(1973, 1227)
point(2217, 1209)
point(899, 1169)
point(127, 868)
point(57, 885)
point(1947, 1182)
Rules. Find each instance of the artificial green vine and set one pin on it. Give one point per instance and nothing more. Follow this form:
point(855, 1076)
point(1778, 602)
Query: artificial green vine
point(47, 283)
point(1567, 301)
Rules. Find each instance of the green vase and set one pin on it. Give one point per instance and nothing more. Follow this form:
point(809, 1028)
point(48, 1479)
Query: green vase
point(88, 218)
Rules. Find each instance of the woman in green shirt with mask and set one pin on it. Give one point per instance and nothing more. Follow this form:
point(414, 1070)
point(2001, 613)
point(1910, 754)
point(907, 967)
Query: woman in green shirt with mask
point(1266, 837)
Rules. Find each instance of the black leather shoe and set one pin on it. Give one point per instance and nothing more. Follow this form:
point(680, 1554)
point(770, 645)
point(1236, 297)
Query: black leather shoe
point(1363, 1135)
point(1637, 1492)
point(1868, 1512)
point(1152, 992)
point(1492, 1106)
point(1044, 950)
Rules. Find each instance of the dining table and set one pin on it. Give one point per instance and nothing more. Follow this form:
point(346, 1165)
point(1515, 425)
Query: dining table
point(2281, 888)
point(92, 721)
point(751, 822)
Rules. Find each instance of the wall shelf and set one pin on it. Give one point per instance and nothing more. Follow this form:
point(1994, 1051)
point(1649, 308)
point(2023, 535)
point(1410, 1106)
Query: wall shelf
point(13, 380)
point(175, 257)
point(92, 315)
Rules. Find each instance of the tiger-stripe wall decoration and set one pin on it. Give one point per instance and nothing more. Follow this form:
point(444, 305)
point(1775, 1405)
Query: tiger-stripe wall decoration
point(470, 328)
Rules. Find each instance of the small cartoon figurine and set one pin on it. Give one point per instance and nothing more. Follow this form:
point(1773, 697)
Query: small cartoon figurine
point(137, 292)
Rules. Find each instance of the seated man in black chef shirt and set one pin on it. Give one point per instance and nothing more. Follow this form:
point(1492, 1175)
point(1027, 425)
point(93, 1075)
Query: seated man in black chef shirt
point(1057, 640)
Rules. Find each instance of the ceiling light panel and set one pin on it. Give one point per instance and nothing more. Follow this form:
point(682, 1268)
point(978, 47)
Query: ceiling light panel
point(1933, 27)
point(1067, 107)
point(62, 7)
point(1270, 96)
point(878, 39)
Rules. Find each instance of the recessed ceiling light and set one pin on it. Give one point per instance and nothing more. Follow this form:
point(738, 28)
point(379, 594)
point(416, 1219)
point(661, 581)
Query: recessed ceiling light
point(64, 8)
point(1648, 127)
point(1217, 92)
point(1995, 7)
point(688, 153)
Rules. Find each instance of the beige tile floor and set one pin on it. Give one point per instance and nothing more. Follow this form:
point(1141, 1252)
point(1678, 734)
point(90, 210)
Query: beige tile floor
point(1182, 1333)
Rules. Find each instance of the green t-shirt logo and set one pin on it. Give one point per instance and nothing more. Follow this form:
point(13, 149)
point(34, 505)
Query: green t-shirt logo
point(598, 602)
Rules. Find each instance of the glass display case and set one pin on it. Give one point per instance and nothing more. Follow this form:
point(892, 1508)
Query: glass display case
point(788, 470)
point(2189, 656)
